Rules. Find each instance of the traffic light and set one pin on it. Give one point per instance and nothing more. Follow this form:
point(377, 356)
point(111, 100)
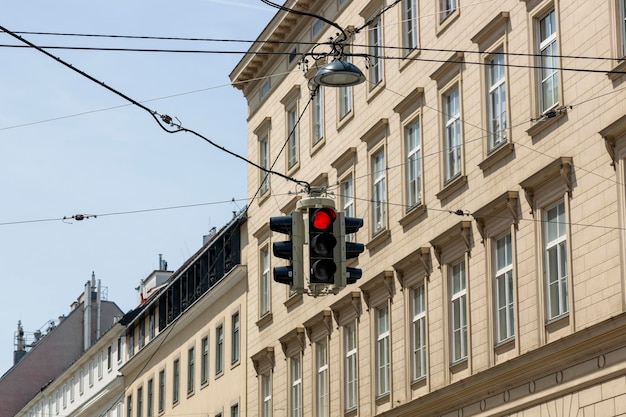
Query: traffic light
point(323, 245)
point(353, 249)
point(293, 226)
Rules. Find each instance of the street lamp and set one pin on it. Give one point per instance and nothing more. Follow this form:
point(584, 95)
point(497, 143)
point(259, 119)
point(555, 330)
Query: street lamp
point(338, 74)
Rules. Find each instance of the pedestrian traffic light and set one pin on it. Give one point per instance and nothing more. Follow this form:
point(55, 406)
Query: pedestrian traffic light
point(351, 250)
point(323, 245)
point(293, 226)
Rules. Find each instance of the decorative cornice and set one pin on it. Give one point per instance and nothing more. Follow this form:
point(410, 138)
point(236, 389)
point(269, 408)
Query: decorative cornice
point(560, 167)
point(462, 230)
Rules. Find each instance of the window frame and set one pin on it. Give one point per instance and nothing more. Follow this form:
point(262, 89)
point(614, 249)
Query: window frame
point(265, 293)
point(458, 298)
point(161, 393)
point(419, 353)
point(219, 349)
point(505, 274)
point(293, 137)
point(150, 398)
point(191, 369)
point(446, 10)
point(351, 366)
point(548, 43)
point(322, 392)
point(176, 381)
point(382, 350)
point(496, 137)
point(379, 190)
point(559, 243)
point(410, 26)
point(413, 159)
point(317, 118)
point(139, 400)
point(266, 394)
point(375, 39)
point(235, 346)
point(452, 133)
point(295, 392)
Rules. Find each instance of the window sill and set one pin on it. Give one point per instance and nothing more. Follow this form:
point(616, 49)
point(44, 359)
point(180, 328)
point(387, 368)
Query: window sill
point(409, 58)
point(382, 398)
point(219, 375)
point(375, 90)
point(452, 186)
point(318, 145)
point(419, 382)
point(264, 197)
point(614, 74)
point(204, 384)
point(412, 215)
point(558, 322)
point(542, 125)
point(497, 155)
point(505, 345)
point(378, 239)
point(445, 23)
point(265, 320)
point(293, 300)
point(235, 364)
point(353, 412)
point(293, 169)
point(459, 365)
point(345, 119)
point(190, 394)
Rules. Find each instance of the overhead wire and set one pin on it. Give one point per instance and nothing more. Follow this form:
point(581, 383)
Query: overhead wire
point(164, 121)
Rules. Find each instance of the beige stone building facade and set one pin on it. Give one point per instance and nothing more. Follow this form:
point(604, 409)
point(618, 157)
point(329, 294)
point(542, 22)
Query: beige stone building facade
point(186, 343)
point(486, 153)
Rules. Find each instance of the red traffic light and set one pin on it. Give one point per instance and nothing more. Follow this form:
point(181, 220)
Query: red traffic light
point(323, 218)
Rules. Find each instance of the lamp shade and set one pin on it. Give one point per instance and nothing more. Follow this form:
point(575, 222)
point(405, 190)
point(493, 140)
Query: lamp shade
point(338, 74)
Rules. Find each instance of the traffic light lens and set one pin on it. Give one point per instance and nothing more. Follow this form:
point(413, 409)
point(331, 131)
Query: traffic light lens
point(322, 219)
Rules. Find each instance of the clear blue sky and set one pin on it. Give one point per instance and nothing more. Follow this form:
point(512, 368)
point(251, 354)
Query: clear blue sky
point(96, 161)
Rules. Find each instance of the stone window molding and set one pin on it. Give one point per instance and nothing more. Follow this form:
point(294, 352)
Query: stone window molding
point(263, 361)
point(418, 262)
point(558, 171)
point(347, 308)
point(344, 161)
point(495, 29)
point(376, 133)
point(379, 288)
point(319, 326)
point(614, 136)
point(505, 203)
point(446, 71)
point(293, 342)
point(461, 230)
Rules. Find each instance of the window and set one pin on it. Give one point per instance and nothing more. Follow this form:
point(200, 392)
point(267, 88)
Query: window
point(152, 325)
point(316, 28)
point(140, 402)
point(452, 134)
point(556, 261)
point(119, 349)
point(264, 162)
point(496, 100)
point(447, 7)
point(176, 381)
point(100, 365)
point(413, 164)
point(378, 191)
point(91, 376)
point(142, 333)
point(64, 391)
point(503, 258)
point(317, 109)
point(293, 151)
point(161, 398)
point(109, 354)
point(265, 88)
point(622, 25)
point(383, 366)
point(191, 357)
point(345, 99)
point(265, 281)
point(71, 388)
point(131, 342)
point(150, 399)
point(81, 382)
point(347, 201)
point(266, 395)
point(458, 311)
point(409, 25)
point(375, 39)
point(321, 383)
point(293, 55)
point(129, 406)
point(219, 349)
point(296, 386)
point(204, 364)
point(235, 339)
point(418, 332)
point(234, 410)
point(549, 84)
point(350, 365)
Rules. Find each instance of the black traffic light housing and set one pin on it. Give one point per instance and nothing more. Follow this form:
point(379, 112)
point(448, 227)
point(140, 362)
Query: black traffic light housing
point(323, 245)
point(351, 250)
point(291, 250)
